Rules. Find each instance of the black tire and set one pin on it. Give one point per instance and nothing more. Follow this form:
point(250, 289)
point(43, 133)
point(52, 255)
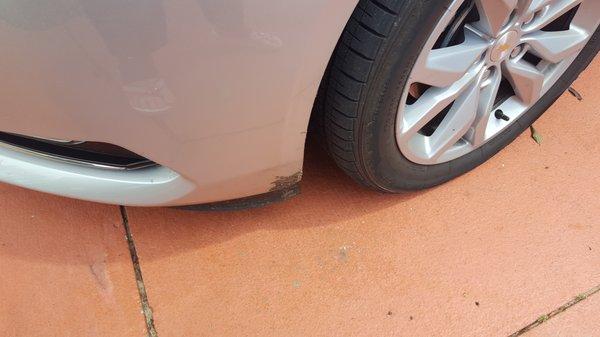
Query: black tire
point(363, 87)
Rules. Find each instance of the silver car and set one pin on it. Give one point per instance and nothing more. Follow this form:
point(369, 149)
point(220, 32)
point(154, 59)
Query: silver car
point(188, 102)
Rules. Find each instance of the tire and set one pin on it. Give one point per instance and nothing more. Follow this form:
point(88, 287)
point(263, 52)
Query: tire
point(367, 74)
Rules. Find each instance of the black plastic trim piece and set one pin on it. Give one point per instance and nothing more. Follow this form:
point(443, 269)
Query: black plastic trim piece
point(96, 154)
point(256, 201)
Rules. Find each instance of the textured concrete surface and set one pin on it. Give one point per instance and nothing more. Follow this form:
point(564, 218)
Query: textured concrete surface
point(65, 269)
point(484, 255)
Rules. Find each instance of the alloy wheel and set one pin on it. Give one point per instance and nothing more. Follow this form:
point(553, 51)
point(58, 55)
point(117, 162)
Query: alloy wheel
point(486, 63)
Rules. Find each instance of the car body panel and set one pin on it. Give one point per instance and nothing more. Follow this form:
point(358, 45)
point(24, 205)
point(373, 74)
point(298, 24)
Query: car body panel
point(219, 93)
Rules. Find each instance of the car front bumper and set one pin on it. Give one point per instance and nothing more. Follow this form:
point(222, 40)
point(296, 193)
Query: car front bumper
point(217, 93)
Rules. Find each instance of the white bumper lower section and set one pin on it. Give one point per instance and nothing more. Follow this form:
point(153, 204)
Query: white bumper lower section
point(156, 186)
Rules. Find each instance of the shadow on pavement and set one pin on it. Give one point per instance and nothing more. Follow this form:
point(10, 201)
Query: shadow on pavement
point(328, 197)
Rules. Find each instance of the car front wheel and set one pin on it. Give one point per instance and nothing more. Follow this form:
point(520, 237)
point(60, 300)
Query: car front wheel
point(419, 92)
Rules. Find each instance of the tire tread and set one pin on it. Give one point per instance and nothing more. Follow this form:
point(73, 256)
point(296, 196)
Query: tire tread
point(351, 65)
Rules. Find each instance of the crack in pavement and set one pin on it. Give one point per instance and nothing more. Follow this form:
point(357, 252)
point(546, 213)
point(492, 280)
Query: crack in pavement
point(544, 318)
point(146, 309)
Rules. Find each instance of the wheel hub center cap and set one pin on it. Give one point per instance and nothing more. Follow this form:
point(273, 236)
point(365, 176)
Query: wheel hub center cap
point(504, 46)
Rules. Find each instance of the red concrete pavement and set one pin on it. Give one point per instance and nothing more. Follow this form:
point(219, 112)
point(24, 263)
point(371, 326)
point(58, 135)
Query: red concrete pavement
point(65, 269)
point(481, 256)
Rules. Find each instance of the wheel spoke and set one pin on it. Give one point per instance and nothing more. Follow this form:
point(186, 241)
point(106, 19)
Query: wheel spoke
point(476, 135)
point(527, 8)
point(432, 102)
point(457, 123)
point(555, 9)
point(526, 80)
point(494, 14)
point(556, 46)
point(443, 67)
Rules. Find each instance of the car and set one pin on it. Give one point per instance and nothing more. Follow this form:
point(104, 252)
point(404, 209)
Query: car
point(207, 102)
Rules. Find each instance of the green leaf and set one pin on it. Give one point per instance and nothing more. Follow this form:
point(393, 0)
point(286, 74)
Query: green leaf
point(536, 136)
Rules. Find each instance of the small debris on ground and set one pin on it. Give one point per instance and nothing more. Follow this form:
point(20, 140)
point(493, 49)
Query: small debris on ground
point(343, 254)
point(536, 136)
point(575, 94)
